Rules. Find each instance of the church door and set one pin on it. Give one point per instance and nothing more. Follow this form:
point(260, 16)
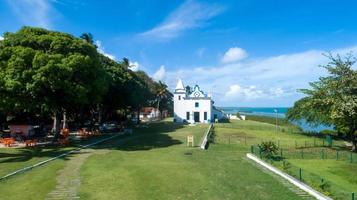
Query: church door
point(196, 116)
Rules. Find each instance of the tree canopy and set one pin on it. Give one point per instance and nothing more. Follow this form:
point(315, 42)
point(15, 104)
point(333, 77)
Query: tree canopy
point(48, 72)
point(333, 99)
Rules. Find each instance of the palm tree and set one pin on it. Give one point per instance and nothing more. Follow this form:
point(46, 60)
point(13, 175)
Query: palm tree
point(88, 37)
point(161, 93)
point(126, 63)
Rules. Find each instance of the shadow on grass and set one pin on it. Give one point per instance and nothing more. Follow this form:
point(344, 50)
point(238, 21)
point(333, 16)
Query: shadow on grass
point(145, 137)
point(26, 154)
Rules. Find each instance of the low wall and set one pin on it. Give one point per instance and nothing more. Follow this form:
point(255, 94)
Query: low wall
point(289, 178)
point(205, 139)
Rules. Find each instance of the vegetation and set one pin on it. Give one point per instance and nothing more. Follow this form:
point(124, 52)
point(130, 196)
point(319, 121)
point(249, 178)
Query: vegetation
point(298, 151)
point(46, 74)
point(155, 162)
point(332, 100)
point(270, 120)
point(268, 149)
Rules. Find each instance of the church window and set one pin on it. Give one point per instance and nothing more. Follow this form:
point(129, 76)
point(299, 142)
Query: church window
point(197, 104)
point(179, 97)
point(187, 115)
point(205, 116)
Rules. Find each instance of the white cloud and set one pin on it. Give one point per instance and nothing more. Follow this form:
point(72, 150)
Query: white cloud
point(134, 66)
point(33, 12)
point(1, 38)
point(191, 14)
point(101, 50)
point(265, 81)
point(233, 90)
point(250, 92)
point(159, 75)
point(234, 54)
point(253, 92)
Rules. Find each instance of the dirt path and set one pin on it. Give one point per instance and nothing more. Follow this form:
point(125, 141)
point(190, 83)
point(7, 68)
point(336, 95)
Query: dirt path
point(68, 179)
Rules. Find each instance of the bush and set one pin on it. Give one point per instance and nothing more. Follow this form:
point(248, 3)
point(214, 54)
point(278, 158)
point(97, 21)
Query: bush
point(268, 149)
point(238, 115)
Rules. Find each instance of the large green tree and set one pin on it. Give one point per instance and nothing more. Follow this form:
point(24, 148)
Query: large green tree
point(333, 99)
point(45, 71)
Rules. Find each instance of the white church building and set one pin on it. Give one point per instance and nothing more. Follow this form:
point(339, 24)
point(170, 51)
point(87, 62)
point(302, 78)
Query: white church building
point(194, 106)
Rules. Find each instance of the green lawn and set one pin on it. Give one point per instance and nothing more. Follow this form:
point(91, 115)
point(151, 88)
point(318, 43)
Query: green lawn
point(153, 163)
point(166, 169)
point(340, 175)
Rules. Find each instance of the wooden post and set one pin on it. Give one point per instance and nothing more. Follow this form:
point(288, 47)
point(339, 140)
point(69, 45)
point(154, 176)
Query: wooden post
point(190, 140)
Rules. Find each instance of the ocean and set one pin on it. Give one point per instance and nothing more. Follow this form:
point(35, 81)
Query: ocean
point(270, 112)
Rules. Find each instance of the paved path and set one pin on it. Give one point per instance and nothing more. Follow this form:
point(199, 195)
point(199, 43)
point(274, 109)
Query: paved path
point(68, 179)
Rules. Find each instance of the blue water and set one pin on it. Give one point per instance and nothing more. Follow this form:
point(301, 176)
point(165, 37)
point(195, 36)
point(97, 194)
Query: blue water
point(270, 112)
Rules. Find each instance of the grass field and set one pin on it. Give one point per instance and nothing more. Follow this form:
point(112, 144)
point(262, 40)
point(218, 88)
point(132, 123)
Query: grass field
point(153, 163)
point(308, 153)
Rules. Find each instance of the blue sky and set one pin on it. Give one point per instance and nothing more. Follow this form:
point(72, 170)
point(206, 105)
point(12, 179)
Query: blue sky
point(247, 52)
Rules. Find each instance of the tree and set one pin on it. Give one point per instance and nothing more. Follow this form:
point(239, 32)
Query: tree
point(88, 37)
point(333, 99)
point(161, 93)
point(188, 89)
point(126, 63)
point(46, 72)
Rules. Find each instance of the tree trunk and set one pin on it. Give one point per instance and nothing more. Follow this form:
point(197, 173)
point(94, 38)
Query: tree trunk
point(353, 141)
point(64, 120)
point(99, 114)
point(158, 108)
point(138, 115)
point(56, 125)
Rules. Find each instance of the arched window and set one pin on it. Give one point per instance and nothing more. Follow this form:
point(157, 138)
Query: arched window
point(179, 97)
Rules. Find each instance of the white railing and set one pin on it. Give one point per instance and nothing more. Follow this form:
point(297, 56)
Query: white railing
point(207, 135)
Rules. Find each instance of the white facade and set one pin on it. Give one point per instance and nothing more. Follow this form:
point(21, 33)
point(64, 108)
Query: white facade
point(194, 106)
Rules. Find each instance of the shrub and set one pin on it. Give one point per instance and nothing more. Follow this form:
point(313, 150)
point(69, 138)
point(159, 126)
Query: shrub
point(268, 149)
point(238, 115)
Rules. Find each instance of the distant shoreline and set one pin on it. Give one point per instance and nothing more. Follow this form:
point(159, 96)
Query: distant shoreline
point(269, 112)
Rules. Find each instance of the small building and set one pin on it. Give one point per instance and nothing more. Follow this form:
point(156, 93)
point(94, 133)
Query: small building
point(149, 113)
point(194, 106)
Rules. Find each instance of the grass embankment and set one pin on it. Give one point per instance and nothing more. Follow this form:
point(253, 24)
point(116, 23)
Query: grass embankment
point(269, 120)
point(300, 151)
